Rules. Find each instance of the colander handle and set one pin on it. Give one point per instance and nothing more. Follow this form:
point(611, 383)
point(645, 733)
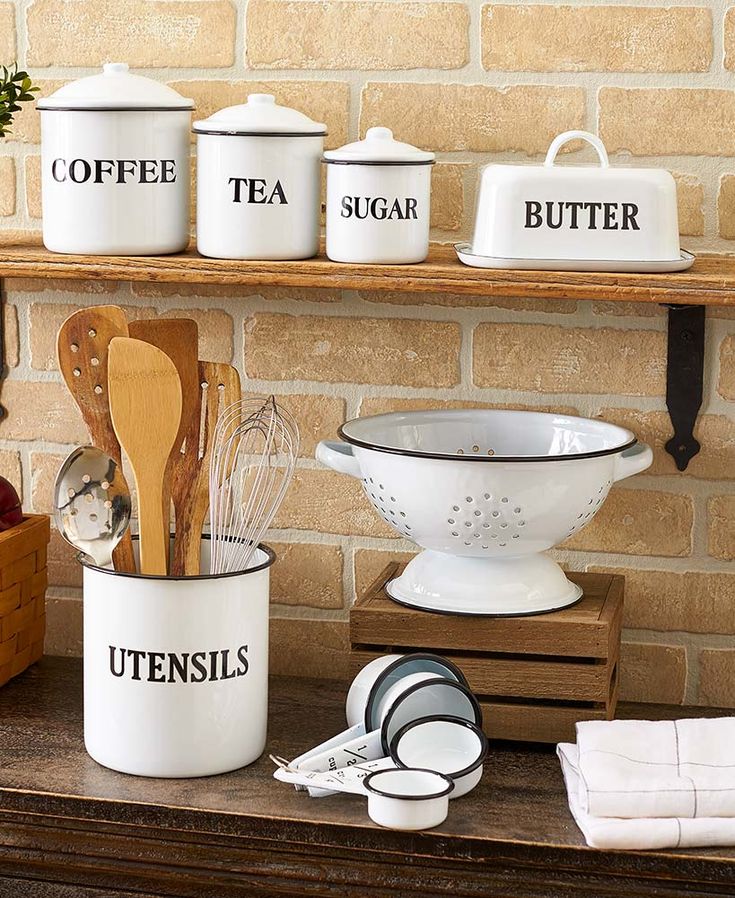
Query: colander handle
point(632, 461)
point(338, 456)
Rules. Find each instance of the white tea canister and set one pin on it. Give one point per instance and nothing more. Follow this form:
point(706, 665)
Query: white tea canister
point(258, 182)
point(115, 166)
point(378, 200)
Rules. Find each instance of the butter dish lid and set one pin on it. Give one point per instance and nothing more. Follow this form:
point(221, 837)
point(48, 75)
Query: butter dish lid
point(379, 148)
point(260, 115)
point(115, 89)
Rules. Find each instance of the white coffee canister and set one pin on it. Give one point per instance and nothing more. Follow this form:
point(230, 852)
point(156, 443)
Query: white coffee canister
point(115, 166)
point(258, 182)
point(176, 669)
point(378, 200)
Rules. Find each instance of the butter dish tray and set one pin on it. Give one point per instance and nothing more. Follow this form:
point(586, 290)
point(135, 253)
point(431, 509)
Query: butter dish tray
point(685, 261)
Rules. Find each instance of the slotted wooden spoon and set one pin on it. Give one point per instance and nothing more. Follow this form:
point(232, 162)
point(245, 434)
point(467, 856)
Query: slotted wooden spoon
point(82, 347)
point(145, 405)
point(179, 339)
point(220, 385)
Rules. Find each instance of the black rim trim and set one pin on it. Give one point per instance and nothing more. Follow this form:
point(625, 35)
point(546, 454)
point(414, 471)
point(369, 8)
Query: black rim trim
point(465, 690)
point(373, 695)
point(443, 718)
point(115, 108)
point(376, 162)
point(376, 791)
point(271, 557)
point(260, 133)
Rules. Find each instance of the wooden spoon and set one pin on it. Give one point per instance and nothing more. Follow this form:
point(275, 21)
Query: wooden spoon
point(220, 388)
point(145, 404)
point(179, 339)
point(82, 347)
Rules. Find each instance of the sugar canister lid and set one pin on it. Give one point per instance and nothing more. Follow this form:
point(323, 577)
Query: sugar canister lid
point(260, 116)
point(379, 148)
point(115, 89)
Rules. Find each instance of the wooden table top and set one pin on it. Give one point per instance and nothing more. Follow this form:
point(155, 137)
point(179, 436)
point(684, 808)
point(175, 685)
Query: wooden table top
point(66, 820)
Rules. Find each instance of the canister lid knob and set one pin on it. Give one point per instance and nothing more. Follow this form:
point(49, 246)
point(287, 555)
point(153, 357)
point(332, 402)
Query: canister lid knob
point(116, 68)
point(379, 134)
point(262, 99)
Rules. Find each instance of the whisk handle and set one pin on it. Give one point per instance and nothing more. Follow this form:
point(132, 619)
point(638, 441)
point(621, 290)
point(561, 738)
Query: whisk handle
point(339, 457)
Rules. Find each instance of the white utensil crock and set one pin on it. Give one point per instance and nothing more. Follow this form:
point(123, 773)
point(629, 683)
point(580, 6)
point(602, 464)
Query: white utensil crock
point(115, 166)
point(258, 182)
point(176, 669)
point(378, 201)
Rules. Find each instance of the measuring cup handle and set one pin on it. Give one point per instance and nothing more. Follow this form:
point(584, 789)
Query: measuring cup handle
point(347, 735)
point(318, 778)
point(365, 748)
point(354, 774)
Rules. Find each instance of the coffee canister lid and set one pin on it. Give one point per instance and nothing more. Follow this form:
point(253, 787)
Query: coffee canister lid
point(262, 116)
point(379, 147)
point(115, 88)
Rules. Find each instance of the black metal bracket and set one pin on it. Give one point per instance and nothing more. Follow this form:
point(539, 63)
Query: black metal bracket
point(684, 379)
point(3, 369)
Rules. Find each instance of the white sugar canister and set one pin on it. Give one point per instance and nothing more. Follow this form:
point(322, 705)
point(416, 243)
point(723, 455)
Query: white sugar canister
point(258, 182)
point(115, 166)
point(378, 200)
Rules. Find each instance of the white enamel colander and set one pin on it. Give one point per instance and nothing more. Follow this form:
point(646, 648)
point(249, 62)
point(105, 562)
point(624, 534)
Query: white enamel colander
point(485, 492)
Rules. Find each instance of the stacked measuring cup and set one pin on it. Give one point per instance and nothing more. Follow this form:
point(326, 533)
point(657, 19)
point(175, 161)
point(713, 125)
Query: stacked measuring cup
point(413, 741)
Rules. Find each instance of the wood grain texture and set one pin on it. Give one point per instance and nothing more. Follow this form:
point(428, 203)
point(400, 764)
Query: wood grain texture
point(69, 827)
point(82, 347)
point(711, 280)
point(145, 405)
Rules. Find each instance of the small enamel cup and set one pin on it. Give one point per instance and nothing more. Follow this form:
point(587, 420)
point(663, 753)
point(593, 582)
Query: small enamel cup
point(408, 799)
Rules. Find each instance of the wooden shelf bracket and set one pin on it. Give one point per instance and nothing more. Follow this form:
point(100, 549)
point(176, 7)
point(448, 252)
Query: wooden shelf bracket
point(684, 379)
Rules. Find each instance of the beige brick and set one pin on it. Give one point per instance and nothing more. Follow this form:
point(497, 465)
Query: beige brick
point(639, 522)
point(63, 567)
point(10, 468)
point(668, 121)
point(309, 648)
point(318, 417)
point(8, 50)
point(716, 678)
point(41, 410)
point(454, 300)
point(629, 309)
point(307, 574)
point(690, 204)
point(150, 33)
point(379, 405)
point(216, 331)
point(328, 502)
point(61, 285)
point(558, 38)
point(12, 344)
point(726, 207)
point(726, 383)
point(33, 186)
point(721, 527)
point(323, 101)
point(653, 673)
point(64, 628)
point(359, 350)
point(27, 122)
point(569, 360)
point(17, 236)
point(730, 39)
point(44, 468)
point(475, 117)
point(689, 601)
point(716, 434)
point(370, 564)
point(339, 34)
point(217, 291)
point(447, 197)
point(7, 185)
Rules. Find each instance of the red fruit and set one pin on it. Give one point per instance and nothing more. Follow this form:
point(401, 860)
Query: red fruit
point(10, 510)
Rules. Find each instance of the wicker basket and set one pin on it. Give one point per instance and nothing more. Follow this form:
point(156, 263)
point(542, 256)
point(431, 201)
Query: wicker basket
point(22, 594)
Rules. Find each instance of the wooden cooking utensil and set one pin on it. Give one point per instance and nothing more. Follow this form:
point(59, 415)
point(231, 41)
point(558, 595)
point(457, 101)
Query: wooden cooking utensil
point(82, 347)
point(179, 339)
point(220, 388)
point(145, 405)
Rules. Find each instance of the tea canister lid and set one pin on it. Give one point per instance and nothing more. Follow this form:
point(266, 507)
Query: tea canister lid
point(115, 89)
point(379, 148)
point(260, 116)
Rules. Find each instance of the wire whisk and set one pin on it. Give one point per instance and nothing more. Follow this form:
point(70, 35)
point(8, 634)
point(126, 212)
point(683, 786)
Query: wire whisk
point(256, 443)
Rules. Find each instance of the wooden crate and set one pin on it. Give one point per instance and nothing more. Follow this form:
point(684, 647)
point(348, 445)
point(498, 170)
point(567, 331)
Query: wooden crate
point(535, 676)
point(23, 583)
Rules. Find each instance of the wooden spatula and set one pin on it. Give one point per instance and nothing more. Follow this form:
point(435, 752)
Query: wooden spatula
point(145, 405)
point(82, 347)
point(220, 388)
point(179, 339)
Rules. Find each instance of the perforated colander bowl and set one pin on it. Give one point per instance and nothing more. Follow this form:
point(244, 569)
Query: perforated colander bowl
point(484, 492)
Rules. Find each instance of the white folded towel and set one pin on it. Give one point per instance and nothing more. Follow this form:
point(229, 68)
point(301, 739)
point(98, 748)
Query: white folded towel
point(646, 833)
point(667, 768)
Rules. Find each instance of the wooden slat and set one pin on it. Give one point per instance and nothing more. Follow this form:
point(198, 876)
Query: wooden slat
point(535, 723)
point(711, 281)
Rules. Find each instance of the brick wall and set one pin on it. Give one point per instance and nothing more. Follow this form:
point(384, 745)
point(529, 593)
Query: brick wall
point(475, 82)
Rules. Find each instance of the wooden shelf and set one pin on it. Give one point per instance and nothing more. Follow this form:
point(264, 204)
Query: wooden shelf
point(711, 281)
point(70, 827)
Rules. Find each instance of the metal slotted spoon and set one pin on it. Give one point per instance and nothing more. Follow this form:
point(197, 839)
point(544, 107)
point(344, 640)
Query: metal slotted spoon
point(256, 443)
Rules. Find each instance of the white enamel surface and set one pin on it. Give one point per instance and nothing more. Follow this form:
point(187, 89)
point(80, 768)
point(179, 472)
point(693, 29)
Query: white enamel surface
point(278, 188)
point(441, 745)
point(379, 145)
point(111, 218)
point(175, 729)
point(373, 191)
point(684, 261)
point(261, 114)
point(361, 686)
point(408, 814)
point(434, 698)
point(116, 86)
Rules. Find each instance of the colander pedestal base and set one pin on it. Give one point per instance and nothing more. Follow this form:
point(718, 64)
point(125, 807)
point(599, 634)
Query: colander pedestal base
point(491, 587)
